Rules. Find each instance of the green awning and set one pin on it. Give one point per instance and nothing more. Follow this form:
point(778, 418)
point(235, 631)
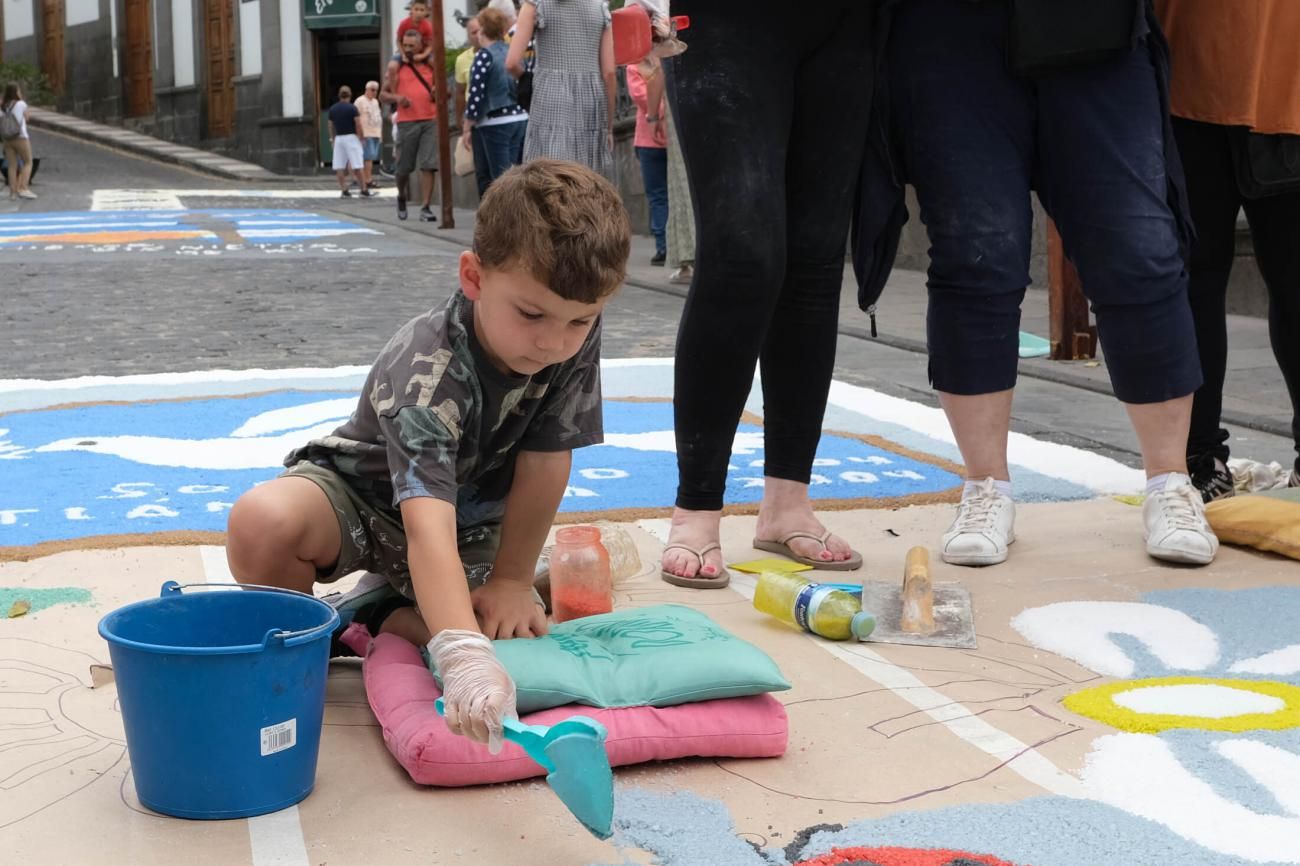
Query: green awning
point(324, 14)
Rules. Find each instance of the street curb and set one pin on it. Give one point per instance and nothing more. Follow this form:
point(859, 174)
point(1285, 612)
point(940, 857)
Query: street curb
point(138, 144)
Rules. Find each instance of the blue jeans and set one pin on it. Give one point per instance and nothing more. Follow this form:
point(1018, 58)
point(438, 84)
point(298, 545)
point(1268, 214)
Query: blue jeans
point(654, 174)
point(496, 148)
point(975, 140)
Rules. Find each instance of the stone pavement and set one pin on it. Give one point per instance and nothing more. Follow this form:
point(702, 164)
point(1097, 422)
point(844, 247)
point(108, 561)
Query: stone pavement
point(1255, 395)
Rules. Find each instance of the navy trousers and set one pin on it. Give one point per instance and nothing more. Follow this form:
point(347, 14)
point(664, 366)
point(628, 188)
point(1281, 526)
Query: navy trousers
point(496, 148)
point(654, 175)
point(975, 141)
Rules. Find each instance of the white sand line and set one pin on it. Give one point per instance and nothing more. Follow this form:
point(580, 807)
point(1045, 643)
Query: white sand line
point(277, 839)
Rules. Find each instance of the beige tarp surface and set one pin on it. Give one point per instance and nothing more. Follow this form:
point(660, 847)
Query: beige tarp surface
point(874, 729)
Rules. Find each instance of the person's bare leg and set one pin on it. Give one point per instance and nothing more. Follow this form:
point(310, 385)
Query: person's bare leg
point(359, 176)
point(981, 424)
point(11, 166)
point(786, 508)
point(342, 178)
point(1162, 430)
point(1173, 513)
point(365, 172)
point(282, 533)
point(984, 526)
point(696, 530)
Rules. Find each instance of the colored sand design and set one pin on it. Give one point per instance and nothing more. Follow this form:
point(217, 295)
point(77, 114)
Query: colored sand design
point(112, 471)
point(1135, 705)
point(40, 599)
point(901, 857)
point(677, 828)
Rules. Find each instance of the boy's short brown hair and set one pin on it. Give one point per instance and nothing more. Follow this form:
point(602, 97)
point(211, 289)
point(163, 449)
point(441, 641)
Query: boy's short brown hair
point(560, 221)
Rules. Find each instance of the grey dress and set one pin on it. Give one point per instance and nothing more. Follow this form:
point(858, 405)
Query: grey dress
point(569, 115)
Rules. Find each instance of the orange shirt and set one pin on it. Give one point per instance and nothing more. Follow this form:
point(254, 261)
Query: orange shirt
point(410, 85)
point(1235, 62)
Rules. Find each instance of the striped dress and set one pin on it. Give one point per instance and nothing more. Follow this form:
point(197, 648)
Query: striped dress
point(569, 115)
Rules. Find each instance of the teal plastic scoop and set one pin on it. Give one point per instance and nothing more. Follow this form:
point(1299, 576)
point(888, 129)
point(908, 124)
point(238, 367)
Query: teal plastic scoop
point(577, 768)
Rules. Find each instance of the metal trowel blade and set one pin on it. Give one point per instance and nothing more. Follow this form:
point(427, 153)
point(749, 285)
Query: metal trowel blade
point(954, 619)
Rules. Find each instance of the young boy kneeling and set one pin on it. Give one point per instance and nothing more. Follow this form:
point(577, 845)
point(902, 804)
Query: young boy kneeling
point(452, 467)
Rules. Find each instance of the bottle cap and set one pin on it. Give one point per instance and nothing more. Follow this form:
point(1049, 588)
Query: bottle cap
point(862, 625)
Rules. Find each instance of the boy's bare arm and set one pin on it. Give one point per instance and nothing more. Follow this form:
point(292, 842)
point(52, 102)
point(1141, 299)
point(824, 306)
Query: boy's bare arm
point(506, 604)
point(436, 570)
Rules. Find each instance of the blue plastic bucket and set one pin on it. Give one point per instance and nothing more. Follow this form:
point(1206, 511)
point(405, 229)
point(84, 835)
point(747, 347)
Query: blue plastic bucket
point(222, 696)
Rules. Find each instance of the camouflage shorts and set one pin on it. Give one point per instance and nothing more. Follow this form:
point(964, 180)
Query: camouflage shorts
point(373, 541)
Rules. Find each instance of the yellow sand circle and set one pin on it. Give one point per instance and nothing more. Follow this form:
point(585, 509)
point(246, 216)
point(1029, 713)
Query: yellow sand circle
point(1099, 703)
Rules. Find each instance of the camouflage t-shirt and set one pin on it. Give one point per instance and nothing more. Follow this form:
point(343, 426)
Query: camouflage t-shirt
point(437, 419)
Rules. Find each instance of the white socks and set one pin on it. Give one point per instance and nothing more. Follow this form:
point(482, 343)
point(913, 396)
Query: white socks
point(1156, 484)
point(972, 487)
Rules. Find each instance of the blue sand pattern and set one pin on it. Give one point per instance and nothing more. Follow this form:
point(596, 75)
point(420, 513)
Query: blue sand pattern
point(679, 828)
point(61, 495)
point(1248, 622)
point(24, 228)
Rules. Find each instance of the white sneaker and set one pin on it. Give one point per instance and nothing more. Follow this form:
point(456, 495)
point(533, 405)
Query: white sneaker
point(27, 193)
point(984, 526)
point(1176, 528)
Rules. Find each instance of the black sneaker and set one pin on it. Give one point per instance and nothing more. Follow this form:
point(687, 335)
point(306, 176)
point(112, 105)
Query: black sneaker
point(401, 206)
point(365, 193)
point(426, 216)
point(658, 259)
point(1210, 477)
point(347, 193)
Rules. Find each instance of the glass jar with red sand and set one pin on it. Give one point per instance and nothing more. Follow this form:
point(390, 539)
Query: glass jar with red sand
point(580, 578)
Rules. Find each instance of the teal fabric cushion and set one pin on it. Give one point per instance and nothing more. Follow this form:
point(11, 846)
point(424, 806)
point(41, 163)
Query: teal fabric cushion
point(650, 656)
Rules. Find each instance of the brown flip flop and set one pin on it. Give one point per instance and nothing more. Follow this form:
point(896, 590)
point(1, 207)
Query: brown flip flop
point(718, 581)
point(782, 546)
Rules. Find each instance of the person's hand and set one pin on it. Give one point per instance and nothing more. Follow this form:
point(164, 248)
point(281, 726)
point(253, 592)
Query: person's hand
point(609, 139)
point(465, 139)
point(660, 133)
point(478, 694)
point(403, 102)
point(508, 608)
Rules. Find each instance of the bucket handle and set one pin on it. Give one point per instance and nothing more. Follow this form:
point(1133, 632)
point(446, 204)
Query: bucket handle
point(290, 638)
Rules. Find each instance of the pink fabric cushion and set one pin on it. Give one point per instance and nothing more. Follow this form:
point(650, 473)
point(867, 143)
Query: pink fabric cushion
point(401, 693)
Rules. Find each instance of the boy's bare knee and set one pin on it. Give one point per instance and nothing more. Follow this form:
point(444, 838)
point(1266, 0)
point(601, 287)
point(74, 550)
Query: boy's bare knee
point(262, 533)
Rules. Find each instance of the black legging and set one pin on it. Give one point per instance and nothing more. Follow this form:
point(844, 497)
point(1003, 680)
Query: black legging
point(772, 118)
point(1275, 230)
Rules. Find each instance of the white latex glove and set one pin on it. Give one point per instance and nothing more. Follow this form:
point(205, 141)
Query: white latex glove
point(477, 692)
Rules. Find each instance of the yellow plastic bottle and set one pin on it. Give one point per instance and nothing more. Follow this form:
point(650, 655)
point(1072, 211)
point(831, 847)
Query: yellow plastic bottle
point(823, 610)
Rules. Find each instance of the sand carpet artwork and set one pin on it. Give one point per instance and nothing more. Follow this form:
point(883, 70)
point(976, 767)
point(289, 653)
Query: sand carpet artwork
point(1116, 710)
point(114, 461)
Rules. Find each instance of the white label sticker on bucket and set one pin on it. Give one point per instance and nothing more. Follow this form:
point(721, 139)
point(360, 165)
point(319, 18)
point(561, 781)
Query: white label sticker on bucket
point(277, 738)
